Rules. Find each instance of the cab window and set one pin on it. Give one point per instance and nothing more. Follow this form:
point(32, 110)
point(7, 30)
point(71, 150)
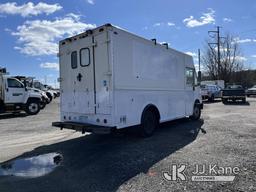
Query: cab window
point(13, 83)
point(74, 59)
point(190, 76)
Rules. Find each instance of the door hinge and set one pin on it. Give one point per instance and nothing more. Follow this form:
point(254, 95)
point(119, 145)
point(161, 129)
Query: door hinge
point(94, 44)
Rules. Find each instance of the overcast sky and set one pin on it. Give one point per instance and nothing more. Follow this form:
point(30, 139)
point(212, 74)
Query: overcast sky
point(30, 30)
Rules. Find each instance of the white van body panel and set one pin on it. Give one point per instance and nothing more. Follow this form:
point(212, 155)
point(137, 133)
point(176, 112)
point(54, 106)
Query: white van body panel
point(125, 74)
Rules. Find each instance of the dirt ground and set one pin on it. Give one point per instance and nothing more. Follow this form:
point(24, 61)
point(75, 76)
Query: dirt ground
point(225, 136)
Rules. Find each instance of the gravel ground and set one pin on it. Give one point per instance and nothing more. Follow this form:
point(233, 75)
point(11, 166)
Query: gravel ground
point(226, 136)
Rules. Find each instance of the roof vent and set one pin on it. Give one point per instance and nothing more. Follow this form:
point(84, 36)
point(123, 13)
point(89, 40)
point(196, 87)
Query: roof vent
point(166, 44)
point(154, 40)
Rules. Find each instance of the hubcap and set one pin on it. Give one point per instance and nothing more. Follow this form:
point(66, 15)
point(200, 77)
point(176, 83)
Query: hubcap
point(33, 107)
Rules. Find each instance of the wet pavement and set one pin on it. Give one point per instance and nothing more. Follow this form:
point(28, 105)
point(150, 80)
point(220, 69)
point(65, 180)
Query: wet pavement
point(31, 167)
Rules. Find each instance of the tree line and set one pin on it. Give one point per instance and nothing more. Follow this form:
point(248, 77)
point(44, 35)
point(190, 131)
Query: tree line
point(230, 66)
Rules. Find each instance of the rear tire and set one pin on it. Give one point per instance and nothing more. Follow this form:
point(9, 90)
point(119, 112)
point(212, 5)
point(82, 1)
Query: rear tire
point(49, 96)
point(244, 100)
point(196, 113)
point(32, 107)
point(224, 101)
point(211, 99)
point(42, 104)
point(149, 123)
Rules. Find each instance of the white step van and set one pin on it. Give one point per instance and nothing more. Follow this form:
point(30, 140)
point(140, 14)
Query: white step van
point(112, 79)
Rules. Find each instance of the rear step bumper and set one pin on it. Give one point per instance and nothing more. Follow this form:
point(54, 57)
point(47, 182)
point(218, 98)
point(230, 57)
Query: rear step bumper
point(84, 127)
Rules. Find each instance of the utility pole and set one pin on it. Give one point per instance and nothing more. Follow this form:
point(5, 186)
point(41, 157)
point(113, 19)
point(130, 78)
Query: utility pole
point(199, 67)
point(218, 49)
point(45, 79)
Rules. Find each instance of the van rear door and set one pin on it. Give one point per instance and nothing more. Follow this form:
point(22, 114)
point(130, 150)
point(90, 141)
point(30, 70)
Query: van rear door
point(77, 76)
point(103, 73)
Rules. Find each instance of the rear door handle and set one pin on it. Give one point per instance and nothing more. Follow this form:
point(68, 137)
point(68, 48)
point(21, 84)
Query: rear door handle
point(79, 77)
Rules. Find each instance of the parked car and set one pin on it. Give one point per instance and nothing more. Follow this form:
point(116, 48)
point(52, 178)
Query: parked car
point(251, 91)
point(233, 93)
point(210, 92)
point(28, 83)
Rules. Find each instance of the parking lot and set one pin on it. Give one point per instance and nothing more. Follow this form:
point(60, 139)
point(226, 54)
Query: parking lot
point(225, 135)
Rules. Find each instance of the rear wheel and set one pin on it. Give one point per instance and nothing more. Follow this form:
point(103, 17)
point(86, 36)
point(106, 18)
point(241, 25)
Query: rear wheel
point(149, 123)
point(32, 107)
point(196, 112)
point(244, 100)
point(49, 96)
point(211, 98)
point(42, 104)
point(224, 101)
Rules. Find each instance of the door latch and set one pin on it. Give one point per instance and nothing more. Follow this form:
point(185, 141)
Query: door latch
point(79, 77)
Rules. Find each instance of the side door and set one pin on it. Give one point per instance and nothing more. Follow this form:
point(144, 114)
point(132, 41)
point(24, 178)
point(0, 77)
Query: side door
point(14, 91)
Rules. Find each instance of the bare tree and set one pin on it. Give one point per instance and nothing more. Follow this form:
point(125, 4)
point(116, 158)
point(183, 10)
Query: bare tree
point(230, 59)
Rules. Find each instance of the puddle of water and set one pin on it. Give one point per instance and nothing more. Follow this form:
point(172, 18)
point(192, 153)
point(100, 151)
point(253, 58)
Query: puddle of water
point(36, 166)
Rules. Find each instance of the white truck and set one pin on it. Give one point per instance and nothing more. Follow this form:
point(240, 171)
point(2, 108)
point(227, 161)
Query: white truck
point(15, 97)
point(112, 79)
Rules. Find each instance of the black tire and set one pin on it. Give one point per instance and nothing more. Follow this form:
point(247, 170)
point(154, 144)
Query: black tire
point(224, 101)
point(244, 100)
point(149, 123)
point(248, 95)
point(196, 112)
point(49, 96)
point(42, 104)
point(32, 107)
point(211, 98)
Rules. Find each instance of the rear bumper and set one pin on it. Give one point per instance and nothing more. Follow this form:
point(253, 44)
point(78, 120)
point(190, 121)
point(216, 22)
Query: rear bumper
point(250, 93)
point(234, 97)
point(83, 127)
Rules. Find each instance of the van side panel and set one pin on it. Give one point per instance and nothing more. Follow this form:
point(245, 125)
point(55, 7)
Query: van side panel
point(146, 73)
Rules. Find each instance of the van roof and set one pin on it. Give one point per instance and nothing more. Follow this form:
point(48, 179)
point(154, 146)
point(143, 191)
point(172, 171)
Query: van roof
point(105, 27)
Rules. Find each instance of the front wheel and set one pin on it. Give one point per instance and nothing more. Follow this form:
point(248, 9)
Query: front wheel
point(211, 99)
point(149, 123)
point(196, 112)
point(32, 107)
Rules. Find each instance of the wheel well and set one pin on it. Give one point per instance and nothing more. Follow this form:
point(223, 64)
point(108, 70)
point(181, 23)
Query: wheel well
point(33, 99)
point(152, 108)
point(197, 101)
